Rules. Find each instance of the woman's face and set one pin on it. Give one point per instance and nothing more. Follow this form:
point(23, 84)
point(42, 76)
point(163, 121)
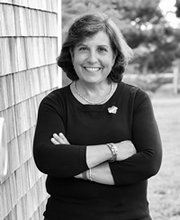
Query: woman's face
point(93, 58)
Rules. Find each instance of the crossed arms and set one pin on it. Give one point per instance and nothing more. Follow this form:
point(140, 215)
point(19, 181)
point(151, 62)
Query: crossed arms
point(97, 157)
point(137, 159)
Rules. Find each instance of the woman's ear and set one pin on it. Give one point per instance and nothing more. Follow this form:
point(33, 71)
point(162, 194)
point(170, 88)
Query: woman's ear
point(114, 59)
point(72, 53)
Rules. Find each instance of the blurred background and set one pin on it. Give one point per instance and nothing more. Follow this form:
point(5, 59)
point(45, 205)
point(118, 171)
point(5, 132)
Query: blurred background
point(31, 35)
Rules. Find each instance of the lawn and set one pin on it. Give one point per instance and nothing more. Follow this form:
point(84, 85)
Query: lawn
point(164, 188)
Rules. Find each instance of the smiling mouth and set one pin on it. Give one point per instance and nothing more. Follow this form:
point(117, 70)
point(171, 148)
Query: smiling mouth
point(92, 69)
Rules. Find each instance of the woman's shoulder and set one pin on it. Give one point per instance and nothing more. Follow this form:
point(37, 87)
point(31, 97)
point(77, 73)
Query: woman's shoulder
point(136, 94)
point(59, 92)
point(133, 90)
point(57, 95)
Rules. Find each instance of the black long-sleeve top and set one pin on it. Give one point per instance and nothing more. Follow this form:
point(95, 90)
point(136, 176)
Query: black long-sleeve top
point(72, 198)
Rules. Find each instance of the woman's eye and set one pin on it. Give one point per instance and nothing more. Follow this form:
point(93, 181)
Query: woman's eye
point(82, 48)
point(102, 49)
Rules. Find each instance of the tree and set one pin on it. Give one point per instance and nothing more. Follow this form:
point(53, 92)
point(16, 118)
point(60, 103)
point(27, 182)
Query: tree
point(154, 41)
point(177, 8)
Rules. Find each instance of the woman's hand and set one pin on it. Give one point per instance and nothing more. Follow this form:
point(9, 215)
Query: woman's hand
point(59, 139)
point(125, 149)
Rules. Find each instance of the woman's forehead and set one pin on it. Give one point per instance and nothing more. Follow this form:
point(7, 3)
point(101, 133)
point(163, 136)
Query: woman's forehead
point(100, 37)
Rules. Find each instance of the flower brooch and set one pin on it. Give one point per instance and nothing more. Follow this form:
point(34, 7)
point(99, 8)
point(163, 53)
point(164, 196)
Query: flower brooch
point(113, 109)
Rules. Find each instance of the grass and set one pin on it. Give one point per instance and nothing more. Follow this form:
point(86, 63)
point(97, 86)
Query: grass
point(164, 188)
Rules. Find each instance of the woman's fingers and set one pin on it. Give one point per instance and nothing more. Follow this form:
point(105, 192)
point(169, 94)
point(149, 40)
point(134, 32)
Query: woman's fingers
point(53, 140)
point(64, 138)
point(59, 139)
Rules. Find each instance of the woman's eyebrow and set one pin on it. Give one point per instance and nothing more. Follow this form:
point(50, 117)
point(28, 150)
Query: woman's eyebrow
point(103, 45)
point(81, 44)
point(99, 45)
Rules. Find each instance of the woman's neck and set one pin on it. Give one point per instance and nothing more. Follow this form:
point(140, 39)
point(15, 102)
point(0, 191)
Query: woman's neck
point(92, 90)
point(93, 94)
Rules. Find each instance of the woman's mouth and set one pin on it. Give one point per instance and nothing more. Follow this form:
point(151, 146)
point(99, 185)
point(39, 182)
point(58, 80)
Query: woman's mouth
point(92, 69)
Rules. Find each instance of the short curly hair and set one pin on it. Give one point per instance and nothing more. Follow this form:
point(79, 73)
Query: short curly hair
point(87, 26)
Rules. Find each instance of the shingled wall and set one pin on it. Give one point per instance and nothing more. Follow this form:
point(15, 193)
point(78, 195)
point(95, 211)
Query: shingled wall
point(28, 71)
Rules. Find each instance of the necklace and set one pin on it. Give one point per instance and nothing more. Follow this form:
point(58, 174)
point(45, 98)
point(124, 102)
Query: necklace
point(90, 102)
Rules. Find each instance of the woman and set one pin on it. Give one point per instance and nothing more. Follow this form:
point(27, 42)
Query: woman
point(97, 138)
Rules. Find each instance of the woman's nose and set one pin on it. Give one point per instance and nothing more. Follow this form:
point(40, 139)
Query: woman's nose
point(92, 58)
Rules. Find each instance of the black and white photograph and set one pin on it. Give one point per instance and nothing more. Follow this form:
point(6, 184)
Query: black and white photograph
point(89, 110)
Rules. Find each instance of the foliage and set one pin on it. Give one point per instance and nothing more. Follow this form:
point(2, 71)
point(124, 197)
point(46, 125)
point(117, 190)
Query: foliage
point(162, 48)
point(178, 8)
point(154, 42)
